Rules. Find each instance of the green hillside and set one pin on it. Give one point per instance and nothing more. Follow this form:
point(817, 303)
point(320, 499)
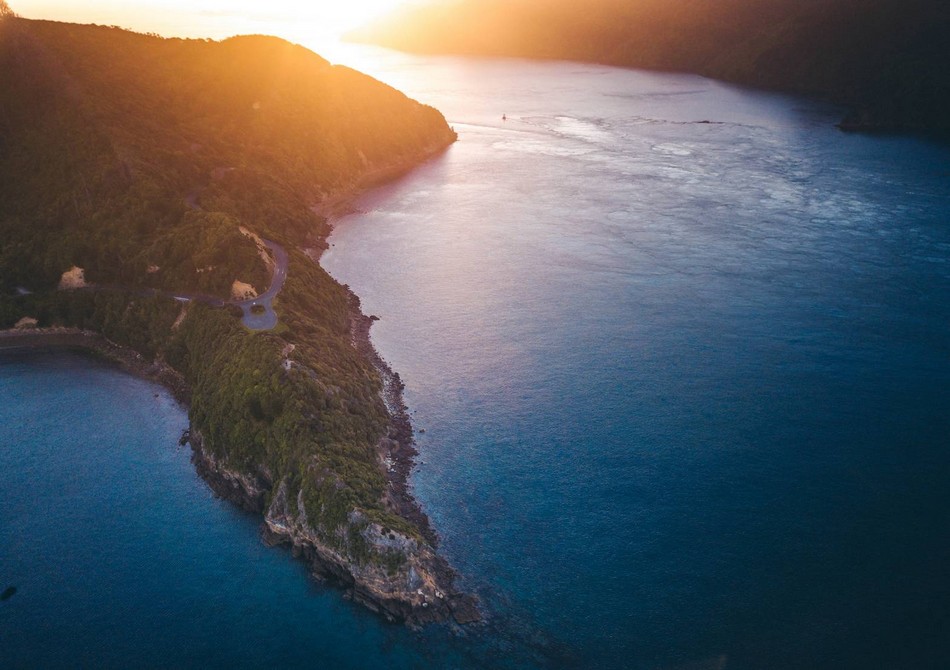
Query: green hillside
point(108, 134)
point(140, 160)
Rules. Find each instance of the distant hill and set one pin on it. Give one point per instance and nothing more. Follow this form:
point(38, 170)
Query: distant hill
point(889, 60)
point(135, 163)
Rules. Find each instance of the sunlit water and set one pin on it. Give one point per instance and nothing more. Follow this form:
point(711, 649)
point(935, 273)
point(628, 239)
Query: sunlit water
point(684, 385)
point(684, 389)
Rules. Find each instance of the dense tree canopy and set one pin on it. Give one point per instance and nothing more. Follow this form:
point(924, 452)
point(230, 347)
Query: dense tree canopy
point(141, 159)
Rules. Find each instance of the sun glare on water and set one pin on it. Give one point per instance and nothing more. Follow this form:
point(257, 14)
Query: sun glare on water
point(298, 21)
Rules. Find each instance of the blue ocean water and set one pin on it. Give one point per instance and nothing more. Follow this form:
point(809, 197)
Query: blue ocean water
point(681, 352)
point(122, 558)
point(682, 359)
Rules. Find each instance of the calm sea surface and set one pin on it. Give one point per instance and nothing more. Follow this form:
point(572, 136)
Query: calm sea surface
point(681, 353)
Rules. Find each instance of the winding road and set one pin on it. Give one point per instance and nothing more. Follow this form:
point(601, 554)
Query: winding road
point(258, 313)
point(266, 317)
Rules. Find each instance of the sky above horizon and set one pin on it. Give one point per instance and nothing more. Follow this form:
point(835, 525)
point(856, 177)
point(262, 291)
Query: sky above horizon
point(216, 19)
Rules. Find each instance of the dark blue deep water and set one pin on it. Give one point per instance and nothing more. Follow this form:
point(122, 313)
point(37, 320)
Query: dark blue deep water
point(685, 390)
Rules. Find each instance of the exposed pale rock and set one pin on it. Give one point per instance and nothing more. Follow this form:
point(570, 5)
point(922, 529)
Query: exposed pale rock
point(75, 277)
point(181, 316)
point(262, 249)
point(242, 291)
point(26, 322)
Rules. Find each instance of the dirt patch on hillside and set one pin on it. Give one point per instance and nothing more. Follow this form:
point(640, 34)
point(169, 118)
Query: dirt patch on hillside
point(74, 277)
point(242, 290)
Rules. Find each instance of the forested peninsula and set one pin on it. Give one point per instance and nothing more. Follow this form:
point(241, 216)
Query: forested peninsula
point(135, 170)
point(888, 61)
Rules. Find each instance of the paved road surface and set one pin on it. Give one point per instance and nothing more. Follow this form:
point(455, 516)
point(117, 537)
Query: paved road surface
point(268, 318)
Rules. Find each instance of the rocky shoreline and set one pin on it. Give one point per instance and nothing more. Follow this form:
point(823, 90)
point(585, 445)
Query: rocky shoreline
point(300, 438)
point(398, 449)
point(428, 595)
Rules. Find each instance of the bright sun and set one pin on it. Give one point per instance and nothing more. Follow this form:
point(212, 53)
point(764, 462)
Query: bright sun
point(293, 19)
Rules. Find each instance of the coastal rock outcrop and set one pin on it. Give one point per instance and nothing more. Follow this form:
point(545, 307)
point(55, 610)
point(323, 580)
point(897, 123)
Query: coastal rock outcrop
point(132, 182)
point(400, 577)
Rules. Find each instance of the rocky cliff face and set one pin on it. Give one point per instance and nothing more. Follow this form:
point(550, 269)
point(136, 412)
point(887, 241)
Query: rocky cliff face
point(402, 578)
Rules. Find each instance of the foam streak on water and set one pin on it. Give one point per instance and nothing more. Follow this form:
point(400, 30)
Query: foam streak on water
point(681, 354)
